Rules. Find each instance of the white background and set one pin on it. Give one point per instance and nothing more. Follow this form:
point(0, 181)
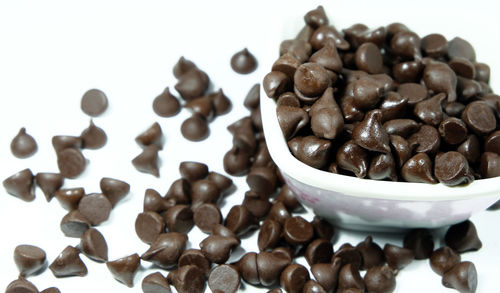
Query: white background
point(51, 52)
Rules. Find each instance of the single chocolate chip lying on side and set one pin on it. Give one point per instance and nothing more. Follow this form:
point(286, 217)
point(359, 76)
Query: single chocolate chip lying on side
point(243, 62)
point(193, 171)
point(349, 277)
point(95, 207)
point(218, 248)
point(69, 198)
point(71, 162)
point(21, 285)
point(206, 216)
point(93, 245)
point(398, 257)
point(147, 161)
point(155, 283)
point(319, 251)
point(179, 218)
point(21, 185)
point(463, 237)
point(23, 145)
point(94, 102)
point(73, 224)
point(462, 277)
point(152, 135)
point(225, 278)
point(29, 259)
point(443, 259)
point(68, 263)
point(113, 189)
point(148, 225)
point(195, 257)
point(125, 268)
point(294, 277)
point(49, 183)
point(188, 279)
point(166, 249)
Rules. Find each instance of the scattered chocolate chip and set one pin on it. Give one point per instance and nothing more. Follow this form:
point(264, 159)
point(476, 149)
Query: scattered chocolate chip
point(166, 105)
point(151, 136)
point(462, 277)
point(489, 165)
point(322, 229)
point(479, 117)
point(93, 137)
point(125, 268)
point(463, 237)
point(371, 253)
point(349, 277)
point(252, 99)
point(434, 45)
point(294, 277)
point(49, 183)
point(325, 32)
point(61, 142)
point(352, 157)
point(398, 257)
point(239, 220)
point(155, 203)
point(94, 102)
point(195, 257)
point(413, 92)
point(204, 191)
point(311, 150)
point(297, 231)
point(236, 162)
point(155, 283)
point(291, 120)
point(206, 216)
point(418, 169)
point(148, 225)
point(440, 78)
point(443, 259)
point(460, 48)
point(195, 128)
point(192, 171)
point(275, 83)
point(451, 168)
point(71, 162)
point(21, 185)
point(453, 130)
point(166, 249)
point(406, 44)
point(21, 285)
point(179, 218)
point(225, 278)
point(182, 66)
point(73, 224)
point(221, 103)
point(430, 110)
point(243, 62)
point(68, 263)
point(421, 242)
point(51, 290)
point(311, 79)
point(218, 248)
point(95, 207)
point(326, 117)
point(147, 161)
point(192, 84)
point(380, 279)
point(269, 234)
point(188, 279)
point(257, 204)
point(114, 189)
point(29, 259)
point(94, 245)
point(202, 106)
point(23, 145)
point(269, 267)
point(348, 254)
point(262, 180)
point(70, 198)
point(319, 251)
point(369, 58)
point(327, 274)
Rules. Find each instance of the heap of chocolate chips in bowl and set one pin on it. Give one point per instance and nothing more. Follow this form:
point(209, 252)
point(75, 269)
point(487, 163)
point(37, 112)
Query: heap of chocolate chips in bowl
point(385, 103)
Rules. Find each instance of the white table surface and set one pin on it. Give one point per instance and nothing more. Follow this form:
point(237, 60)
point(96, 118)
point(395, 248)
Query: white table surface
point(51, 52)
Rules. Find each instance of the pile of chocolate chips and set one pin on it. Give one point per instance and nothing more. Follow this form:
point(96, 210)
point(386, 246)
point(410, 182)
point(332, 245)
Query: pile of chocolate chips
point(386, 104)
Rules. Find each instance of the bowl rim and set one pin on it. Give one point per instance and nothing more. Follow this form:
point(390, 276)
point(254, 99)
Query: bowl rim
point(357, 187)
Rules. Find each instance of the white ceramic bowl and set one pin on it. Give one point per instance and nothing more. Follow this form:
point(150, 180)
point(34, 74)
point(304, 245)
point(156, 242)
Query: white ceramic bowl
point(365, 204)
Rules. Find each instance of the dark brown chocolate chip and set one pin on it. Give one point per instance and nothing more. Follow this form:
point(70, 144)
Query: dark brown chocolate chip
point(319, 251)
point(269, 234)
point(451, 168)
point(316, 17)
point(93, 137)
point(222, 230)
point(327, 274)
point(51, 290)
point(262, 180)
point(166, 249)
point(179, 218)
point(71, 162)
point(460, 48)
point(155, 203)
point(151, 136)
point(188, 279)
point(218, 248)
point(406, 44)
point(252, 99)
point(382, 167)
point(370, 134)
point(95, 207)
point(294, 277)
point(312, 286)
point(269, 267)
point(401, 149)
point(236, 162)
point(463, 237)
point(492, 142)
point(221, 103)
point(408, 71)
point(287, 197)
point(68, 263)
point(325, 32)
point(311, 79)
point(348, 254)
point(463, 67)
point(206, 216)
point(70, 198)
point(286, 63)
point(421, 242)
point(203, 191)
point(425, 140)
point(327, 120)
point(482, 72)
point(368, 58)
point(479, 117)
point(125, 268)
point(29, 259)
point(94, 102)
point(222, 182)
point(148, 225)
point(300, 49)
point(349, 277)
point(243, 62)
point(440, 78)
point(371, 253)
point(401, 127)
point(192, 171)
point(240, 220)
point(454, 109)
point(443, 259)
point(262, 157)
point(380, 279)
point(462, 277)
point(195, 257)
point(21, 185)
point(60, 142)
point(430, 110)
point(297, 231)
point(310, 150)
point(73, 224)
point(114, 189)
point(398, 257)
point(155, 283)
point(288, 99)
point(291, 120)
point(414, 92)
point(489, 165)
point(434, 45)
point(453, 130)
point(322, 229)
point(195, 128)
point(21, 285)
point(166, 105)
point(247, 266)
point(23, 145)
point(352, 157)
point(179, 191)
point(49, 183)
point(224, 278)
point(182, 66)
point(202, 106)
point(192, 84)
point(147, 161)
point(257, 204)
point(328, 57)
point(275, 83)
point(93, 245)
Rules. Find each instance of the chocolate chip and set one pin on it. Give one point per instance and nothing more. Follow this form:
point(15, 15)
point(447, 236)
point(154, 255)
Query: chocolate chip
point(23, 145)
point(408, 71)
point(61, 142)
point(195, 257)
point(443, 259)
point(49, 183)
point(460, 48)
point(195, 128)
point(155, 283)
point(326, 117)
point(352, 157)
point(262, 180)
point(319, 251)
point(492, 142)
point(348, 254)
point(95, 207)
point(114, 189)
point(247, 266)
point(349, 277)
point(155, 203)
point(369, 58)
point(463, 67)
point(311, 79)
point(93, 245)
point(310, 150)
point(70, 198)
point(380, 279)
point(243, 62)
point(94, 102)
point(275, 83)
point(414, 92)
point(179, 191)
point(166, 104)
point(406, 44)
point(420, 241)
point(426, 140)
point(192, 84)
point(192, 171)
point(147, 161)
point(225, 278)
point(269, 267)
point(312, 286)
point(73, 224)
point(288, 99)
point(463, 237)
point(371, 253)
point(29, 259)
point(262, 158)
point(221, 103)
point(292, 119)
point(151, 136)
point(222, 182)
point(148, 225)
point(434, 45)
point(257, 204)
point(51, 290)
point(125, 268)
point(325, 32)
point(202, 106)
point(454, 109)
point(316, 17)
point(297, 231)
point(68, 263)
point(328, 57)
point(236, 162)
point(206, 216)
point(398, 257)
point(430, 110)
point(300, 49)
point(490, 165)
point(188, 279)
point(287, 196)
point(322, 229)
point(21, 185)
point(286, 63)
point(166, 249)
point(182, 66)
point(21, 285)
point(286, 252)
point(327, 274)
point(203, 191)
point(269, 234)
point(294, 277)
point(462, 277)
point(71, 162)
point(252, 99)
point(359, 33)
point(179, 218)
point(440, 78)
point(479, 117)
point(451, 168)
point(218, 248)
point(482, 72)
point(93, 137)
point(239, 220)
point(370, 134)
point(453, 130)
